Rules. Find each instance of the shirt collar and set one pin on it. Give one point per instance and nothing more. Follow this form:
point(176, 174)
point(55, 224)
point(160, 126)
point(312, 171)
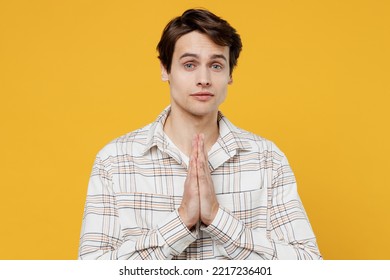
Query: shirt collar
point(156, 135)
point(230, 138)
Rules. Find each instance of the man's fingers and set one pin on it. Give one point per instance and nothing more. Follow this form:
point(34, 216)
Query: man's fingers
point(204, 151)
point(192, 166)
point(193, 170)
point(202, 155)
point(202, 166)
point(194, 150)
point(199, 145)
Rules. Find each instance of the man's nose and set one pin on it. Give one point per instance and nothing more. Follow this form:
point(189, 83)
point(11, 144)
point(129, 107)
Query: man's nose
point(204, 78)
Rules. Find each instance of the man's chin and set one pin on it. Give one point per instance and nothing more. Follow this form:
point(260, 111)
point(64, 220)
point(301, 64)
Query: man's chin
point(203, 111)
point(198, 109)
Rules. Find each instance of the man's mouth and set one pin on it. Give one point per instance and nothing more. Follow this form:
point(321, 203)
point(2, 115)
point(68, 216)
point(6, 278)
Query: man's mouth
point(202, 96)
point(202, 93)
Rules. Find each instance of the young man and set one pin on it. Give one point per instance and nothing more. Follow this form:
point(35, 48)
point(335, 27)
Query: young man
point(191, 185)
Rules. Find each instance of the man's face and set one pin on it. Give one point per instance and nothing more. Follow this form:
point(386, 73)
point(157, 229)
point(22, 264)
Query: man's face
point(199, 75)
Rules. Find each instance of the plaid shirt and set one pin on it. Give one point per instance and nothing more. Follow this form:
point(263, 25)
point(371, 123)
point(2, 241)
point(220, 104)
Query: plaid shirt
point(136, 187)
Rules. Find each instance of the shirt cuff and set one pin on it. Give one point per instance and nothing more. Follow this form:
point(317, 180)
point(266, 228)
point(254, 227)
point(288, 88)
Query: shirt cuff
point(176, 234)
point(225, 227)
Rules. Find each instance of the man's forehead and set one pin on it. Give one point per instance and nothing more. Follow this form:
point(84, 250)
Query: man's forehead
point(197, 45)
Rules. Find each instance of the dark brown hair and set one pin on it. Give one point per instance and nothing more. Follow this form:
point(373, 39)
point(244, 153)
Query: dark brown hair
point(216, 28)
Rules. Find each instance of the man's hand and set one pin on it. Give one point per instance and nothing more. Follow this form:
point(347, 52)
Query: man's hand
point(208, 201)
point(189, 209)
point(199, 200)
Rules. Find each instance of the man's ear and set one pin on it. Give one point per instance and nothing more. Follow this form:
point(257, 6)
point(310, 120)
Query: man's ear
point(230, 80)
point(164, 73)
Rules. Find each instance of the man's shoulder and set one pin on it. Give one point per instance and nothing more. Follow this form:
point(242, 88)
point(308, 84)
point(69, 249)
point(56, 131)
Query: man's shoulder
point(130, 143)
point(258, 143)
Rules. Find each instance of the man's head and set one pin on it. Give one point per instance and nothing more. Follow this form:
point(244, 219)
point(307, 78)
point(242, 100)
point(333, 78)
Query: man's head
point(205, 22)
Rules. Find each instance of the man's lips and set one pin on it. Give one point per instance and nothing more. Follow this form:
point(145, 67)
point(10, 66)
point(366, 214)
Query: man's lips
point(205, 93)
point(202, 96)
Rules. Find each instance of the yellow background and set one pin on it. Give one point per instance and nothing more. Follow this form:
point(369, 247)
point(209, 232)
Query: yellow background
point(313, 77)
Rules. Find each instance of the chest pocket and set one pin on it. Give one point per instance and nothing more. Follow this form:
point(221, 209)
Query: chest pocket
point(249, 206)
point(140, 211)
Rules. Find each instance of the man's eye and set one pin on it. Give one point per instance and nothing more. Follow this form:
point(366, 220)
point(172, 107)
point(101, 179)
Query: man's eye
point(216, 66)
point(189, 65)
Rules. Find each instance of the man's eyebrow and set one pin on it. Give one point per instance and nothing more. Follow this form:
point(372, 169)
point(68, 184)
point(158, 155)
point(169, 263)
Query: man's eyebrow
point(189, 55)
point(214, 56)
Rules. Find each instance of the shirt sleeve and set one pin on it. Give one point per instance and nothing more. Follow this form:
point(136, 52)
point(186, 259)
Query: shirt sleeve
point(288, 234)
point(101, 235)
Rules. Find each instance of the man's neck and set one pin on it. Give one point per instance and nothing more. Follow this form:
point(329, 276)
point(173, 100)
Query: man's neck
point(181, 128)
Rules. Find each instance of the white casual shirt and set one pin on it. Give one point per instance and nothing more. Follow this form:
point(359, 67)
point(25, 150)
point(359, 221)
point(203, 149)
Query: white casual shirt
point(136, 187)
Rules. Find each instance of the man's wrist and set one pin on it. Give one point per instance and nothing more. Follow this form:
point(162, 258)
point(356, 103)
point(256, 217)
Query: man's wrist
point(187, 222)
point(210, 218)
